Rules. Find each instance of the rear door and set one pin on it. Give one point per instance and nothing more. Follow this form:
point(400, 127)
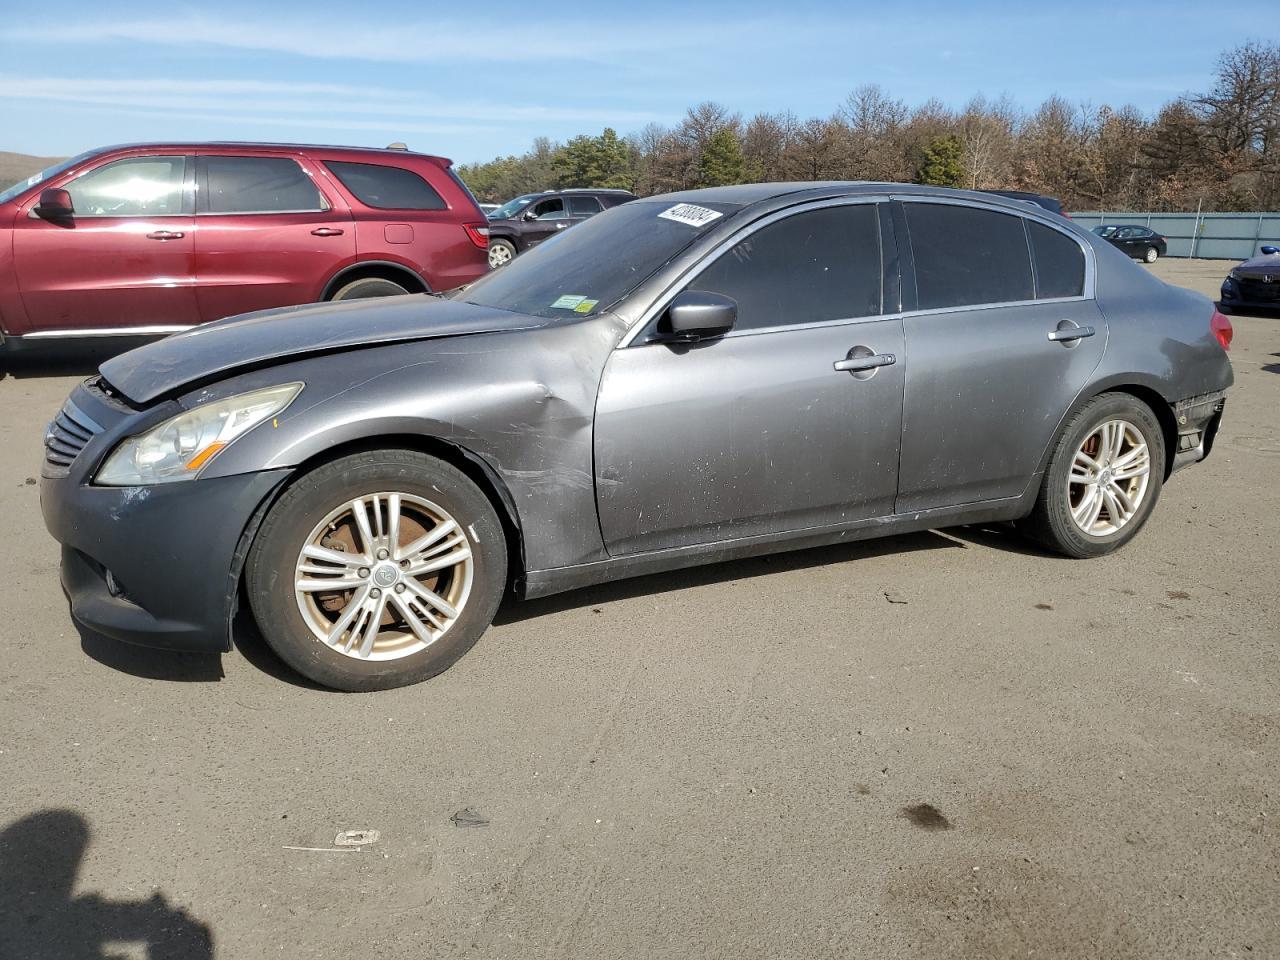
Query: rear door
point(582, 207)
point(270, 234)
point(1004, 336)
point(124, 261)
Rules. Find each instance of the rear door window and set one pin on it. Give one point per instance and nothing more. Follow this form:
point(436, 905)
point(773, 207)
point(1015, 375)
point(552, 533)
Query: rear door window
point(133, 187)
point(1059, 262)
point(583, 206)
point(967, 256)
point(811, 267)
point(257, 185)
point(386, 188)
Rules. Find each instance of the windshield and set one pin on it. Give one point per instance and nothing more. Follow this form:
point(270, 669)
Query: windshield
point(512, 207)
point(1105, 231)
point(47, 173)
point(589, 268)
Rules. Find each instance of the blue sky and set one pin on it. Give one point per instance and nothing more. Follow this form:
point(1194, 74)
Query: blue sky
point(471, 81)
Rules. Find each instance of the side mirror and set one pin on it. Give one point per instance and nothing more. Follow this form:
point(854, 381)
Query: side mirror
point(55, 203)
point(529, 215)
point(1269, 250)
point(700, 315)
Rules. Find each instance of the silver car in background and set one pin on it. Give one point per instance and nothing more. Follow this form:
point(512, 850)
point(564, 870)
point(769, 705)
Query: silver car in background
point(682, 379)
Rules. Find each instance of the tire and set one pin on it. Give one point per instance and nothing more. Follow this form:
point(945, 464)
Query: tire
point(367, 287)
point(501, 252)
point(294, 620)
point(1151, 255)
point(1052, 522)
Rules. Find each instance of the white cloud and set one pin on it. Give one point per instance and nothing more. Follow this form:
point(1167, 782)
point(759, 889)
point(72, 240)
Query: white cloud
point(329, 102)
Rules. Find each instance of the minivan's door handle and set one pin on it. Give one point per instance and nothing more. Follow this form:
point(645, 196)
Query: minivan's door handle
point(165, 235)
point(870, 362)
point(1067, 334)
point(326, 232)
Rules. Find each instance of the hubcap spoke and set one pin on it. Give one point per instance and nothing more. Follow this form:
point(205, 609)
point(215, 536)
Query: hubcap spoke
point(1105, 489)
point(361, 517)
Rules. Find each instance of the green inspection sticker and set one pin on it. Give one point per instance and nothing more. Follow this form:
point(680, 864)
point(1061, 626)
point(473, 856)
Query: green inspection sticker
point(568, 302)
point(586, 306)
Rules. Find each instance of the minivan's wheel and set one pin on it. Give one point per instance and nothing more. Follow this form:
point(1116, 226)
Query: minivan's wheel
point(1151, 255)
point(501, 252)
point(377, 570)
point(369, 287)
point(1103, 479)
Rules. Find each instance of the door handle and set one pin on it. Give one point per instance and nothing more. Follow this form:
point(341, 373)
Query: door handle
point(326, 232)
point(868, 362)
point(1069, 334)
point(561, 226)
point(165, 235)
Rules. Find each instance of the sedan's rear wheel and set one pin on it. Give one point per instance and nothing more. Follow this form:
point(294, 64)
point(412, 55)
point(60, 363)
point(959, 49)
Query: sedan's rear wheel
point(377, 570)
point(1103, 479)
point(1151, 255)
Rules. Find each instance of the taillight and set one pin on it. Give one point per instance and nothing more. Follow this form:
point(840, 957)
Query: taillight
point(1222, 329)
point(478, 233)
point(1065, 214)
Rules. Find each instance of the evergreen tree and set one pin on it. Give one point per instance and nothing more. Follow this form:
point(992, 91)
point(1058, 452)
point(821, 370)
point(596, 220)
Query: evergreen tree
point(721, 163)
point(943, 162)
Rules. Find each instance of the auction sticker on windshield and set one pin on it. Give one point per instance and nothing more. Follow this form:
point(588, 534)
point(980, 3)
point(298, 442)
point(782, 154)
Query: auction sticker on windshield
point(691, 214)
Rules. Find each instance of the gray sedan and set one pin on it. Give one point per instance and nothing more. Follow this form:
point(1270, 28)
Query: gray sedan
point(683, 379)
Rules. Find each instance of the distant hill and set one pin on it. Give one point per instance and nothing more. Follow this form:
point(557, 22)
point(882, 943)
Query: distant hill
point(19, 166)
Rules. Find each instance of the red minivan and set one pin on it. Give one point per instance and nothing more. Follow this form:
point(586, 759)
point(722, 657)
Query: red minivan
point(151, 239)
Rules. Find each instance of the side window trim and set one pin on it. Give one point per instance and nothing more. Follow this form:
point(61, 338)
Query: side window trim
point(637, 335)
point(188, 200)
point(202, 189)
point(1045, 219)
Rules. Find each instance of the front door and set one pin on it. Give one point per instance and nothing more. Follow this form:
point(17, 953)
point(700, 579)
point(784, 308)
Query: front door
point(758, 433)
point(124, 261)
point(1004, 341)
point(269, 237)
point(543, 219)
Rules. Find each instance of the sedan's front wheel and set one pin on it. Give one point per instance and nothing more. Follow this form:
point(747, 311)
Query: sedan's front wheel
point(1103, 479)
point(377, 570)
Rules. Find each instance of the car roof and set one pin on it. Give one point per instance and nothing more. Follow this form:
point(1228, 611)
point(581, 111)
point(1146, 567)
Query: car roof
point(798, 192)
point(254, 145)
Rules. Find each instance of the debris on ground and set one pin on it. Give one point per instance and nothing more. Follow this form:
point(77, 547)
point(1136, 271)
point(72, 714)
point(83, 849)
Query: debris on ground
point(356, 838)
point(894, 597)
point(927, 817)
point(1044, 606)
point(1178, 595)
point(469, 817)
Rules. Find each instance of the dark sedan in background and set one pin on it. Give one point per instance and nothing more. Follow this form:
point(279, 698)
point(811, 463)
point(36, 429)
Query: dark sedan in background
point(1254, 283)
point(526, 221)
point(1139, 242)
point(683, 379)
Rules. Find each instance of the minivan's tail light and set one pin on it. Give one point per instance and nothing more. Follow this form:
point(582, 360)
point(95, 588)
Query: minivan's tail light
point(1222, 329)
point(478, 233)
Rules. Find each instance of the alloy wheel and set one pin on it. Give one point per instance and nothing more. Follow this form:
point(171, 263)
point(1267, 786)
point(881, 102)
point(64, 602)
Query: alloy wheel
point(499, 255)
point(383, 576)
point(1109, 477)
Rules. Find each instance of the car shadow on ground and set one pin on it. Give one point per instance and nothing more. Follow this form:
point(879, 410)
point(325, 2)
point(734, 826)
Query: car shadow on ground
point(79, 359)
point(147, 663)
point(41, 917)
point(513, 611)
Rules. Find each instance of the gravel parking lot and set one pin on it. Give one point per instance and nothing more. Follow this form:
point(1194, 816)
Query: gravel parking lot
point(939, 745)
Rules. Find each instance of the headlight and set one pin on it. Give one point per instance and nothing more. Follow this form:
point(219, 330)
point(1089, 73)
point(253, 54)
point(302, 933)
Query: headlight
point(179, 447)
point(1234, 275)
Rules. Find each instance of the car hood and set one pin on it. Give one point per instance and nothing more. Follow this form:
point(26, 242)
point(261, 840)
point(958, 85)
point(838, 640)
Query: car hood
point(213, 350)
point(1267, 264)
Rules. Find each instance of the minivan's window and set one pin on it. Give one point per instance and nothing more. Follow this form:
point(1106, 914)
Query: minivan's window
point(258, 185)
point(134, 187)
point(26, 183)
point(966, 256)
point(583, 206)
point(586, 270)
point(386, 188)
point(1059, 262)
point(814, 266)
point(552, 209)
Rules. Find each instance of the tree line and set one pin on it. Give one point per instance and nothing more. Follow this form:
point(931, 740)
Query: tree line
point(1220, 148)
